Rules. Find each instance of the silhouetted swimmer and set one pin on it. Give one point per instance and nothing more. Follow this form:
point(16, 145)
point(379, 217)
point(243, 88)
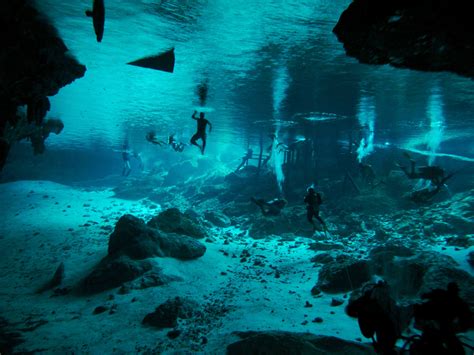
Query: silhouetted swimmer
point(270, 208)
point(435, 174)
point(151, 137)
point(269, 149)
point(313, 200)
point(98, 18)
point(201, 131)
point(126, 160)
point(177, 146)
point(367, 173)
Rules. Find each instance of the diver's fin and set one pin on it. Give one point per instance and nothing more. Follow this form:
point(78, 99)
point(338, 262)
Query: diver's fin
point(163, 61)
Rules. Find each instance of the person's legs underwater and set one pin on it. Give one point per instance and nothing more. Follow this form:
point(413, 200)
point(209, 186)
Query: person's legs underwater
point(194, 138)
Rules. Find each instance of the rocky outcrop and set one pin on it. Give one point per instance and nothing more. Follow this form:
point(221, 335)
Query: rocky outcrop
point(128, 263)
point(343, 274)
point(132, 237)
point(427, 35)
point(275, 342)
point(35, 64)
point(174, 221)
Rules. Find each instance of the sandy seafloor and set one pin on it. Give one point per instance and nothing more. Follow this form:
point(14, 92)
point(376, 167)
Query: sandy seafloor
point(45, 223)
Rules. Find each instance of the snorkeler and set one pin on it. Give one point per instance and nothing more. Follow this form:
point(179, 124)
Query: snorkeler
point(313, 200)
point(151, 137)
point(270, 208)
point(126, 153)
point(177, 146)
point(201, 131)
point(245, 159)
point(126, 159)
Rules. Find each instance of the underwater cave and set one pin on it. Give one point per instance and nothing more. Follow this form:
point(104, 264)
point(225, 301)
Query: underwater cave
point(234, 177)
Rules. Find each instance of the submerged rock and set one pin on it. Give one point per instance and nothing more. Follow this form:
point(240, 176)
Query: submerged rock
point(173, 220)
point(422, 35)
point(276, 342)
point(217, 219)
point(343, 275)
point(166, 315)
point(130, 246)
point(134, 238)
point(113, 272)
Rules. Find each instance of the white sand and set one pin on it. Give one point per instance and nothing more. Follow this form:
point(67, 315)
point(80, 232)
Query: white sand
point(72, 226)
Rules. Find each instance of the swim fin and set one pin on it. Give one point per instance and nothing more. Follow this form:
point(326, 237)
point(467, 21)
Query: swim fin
point(163, 61)
point(98, 18)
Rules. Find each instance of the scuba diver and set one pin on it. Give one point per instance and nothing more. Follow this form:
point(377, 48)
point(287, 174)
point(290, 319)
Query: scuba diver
point(177, 146)
point(313, 200)
point(367, 173)
point(270, 208)
point(435, 174)
point(269, 149)
point(245, 159)
point(201, 131)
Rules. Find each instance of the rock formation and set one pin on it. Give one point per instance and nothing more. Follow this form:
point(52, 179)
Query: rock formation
point(431, 35)
point(34, 63)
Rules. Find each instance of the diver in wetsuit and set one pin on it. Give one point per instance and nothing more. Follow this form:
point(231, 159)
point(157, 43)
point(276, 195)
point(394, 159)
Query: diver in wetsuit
point(313, 200)
point(435, 174)
point(201, 131)
point(270, 208)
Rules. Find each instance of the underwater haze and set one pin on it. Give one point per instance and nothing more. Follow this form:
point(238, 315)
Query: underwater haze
point(320, 177)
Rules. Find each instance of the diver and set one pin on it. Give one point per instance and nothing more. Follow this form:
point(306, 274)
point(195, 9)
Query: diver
point(126, 159)
point(313, 200)
point(269, 149)
point(177, 146)
point(151, 137)
point(367, 173)
point(245, 159)
point(201, 131)
point(435, 174)
point(270, 208)
point(126, 154)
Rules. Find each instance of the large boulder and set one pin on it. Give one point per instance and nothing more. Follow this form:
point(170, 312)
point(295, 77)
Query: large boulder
point(134, 238)
point(173, 220)
point(344, 274)
point(286, 343)
point(428, 35)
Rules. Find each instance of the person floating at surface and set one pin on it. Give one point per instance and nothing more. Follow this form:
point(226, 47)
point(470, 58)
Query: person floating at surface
point(201, 131)
point(245, 159)
point(270, 208)
point(151, 137)
point(177, 146)
point(313, 200)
